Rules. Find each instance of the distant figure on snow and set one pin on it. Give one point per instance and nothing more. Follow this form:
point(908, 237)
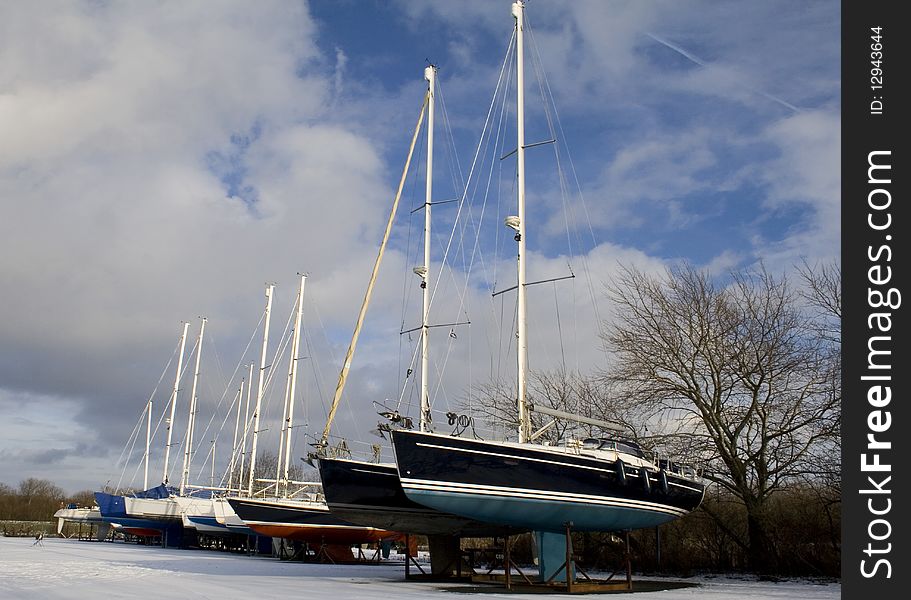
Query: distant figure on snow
point(38, 537)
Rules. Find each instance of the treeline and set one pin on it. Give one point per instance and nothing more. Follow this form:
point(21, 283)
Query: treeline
point(37, 500)
point(804, 537)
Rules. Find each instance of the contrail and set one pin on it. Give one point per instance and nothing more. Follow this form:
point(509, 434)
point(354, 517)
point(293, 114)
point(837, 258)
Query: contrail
point(676, 48)
point(696, 60)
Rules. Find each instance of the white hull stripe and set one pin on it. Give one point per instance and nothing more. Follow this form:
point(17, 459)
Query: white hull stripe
point(527, 494)
point(686, 487)
point(550, 462)
point(430, 512)
point(308, 526)
point(319, 509)
point(393, 474)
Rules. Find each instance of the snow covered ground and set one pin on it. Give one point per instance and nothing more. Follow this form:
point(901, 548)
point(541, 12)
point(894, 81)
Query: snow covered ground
point(76, 570)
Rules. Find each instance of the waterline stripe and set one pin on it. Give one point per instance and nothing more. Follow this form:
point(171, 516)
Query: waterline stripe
point(497, 491)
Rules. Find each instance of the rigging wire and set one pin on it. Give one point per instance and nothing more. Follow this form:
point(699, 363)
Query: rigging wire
point(409, 260)
point(151, 396)
point(558, 128)
point(559, 327)
point(458, 219)
point(484, 142)
point(233, 454)
point(229, 383)
point(131, 442)
point(219, 403)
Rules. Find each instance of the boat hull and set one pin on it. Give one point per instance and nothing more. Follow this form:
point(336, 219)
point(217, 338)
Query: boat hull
point(536, 487)
point(205, 524)
point(303, 521)
point(83, 516)
point(114, 509)
point(371, 494)
point(225, 516)
point(79, 515)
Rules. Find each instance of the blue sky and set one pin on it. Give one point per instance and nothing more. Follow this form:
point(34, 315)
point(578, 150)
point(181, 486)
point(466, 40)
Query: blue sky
point(162, 161)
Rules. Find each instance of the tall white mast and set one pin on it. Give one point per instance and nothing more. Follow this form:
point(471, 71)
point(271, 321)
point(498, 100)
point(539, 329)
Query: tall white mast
point(424, 271)
point(285, 462)
point(145, 484)
point(280, 457)
point(518, 11)
point(243, 449)
point(167, 448)
point(240, 401)
point(191, 418)
point(212, 475)
point(259, 387)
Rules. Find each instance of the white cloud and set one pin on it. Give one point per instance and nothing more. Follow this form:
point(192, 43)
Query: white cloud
point(114, 225)
point(806, 174)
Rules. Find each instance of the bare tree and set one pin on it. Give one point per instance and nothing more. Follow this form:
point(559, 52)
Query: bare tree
point(822, 292)
point(83, 498)
point(7, 502)
point(739, 369)
point(495, 403)
point(36, 499)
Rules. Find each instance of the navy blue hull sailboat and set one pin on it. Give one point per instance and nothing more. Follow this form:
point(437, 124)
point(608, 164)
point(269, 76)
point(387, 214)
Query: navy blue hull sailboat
point(589, 485)
point(597, 485)
point(371, 494)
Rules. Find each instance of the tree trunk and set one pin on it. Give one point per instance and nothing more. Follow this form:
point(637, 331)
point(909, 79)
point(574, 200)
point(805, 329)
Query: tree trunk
point(762, 553)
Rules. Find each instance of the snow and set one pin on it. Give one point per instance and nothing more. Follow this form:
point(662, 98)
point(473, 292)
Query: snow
point(79, 570)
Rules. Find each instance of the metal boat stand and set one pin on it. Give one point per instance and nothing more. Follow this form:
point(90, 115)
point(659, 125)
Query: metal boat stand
point(509, 567)
point(409, 559)
point(322, 554)
point(589, 585)
point(363, 558)
point(447, 563)
point(579, 582)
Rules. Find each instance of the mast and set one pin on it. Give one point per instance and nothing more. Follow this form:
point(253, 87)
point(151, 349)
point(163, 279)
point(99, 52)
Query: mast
point(240, 398)
point(167, 448)
point(212, 475)
point(518, 11)
point(243, 449)
point(145, 480)
point(292, 382)
point(191, 419)
point(282, 432)
point(430, 76)
point(259, 387)
point(346, 366)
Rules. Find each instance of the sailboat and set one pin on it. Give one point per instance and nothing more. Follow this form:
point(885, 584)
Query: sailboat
point(218, 518)
point(301, 515)
point(83, 516)
point(369, 493)
point(595, 484)
point(161, 510)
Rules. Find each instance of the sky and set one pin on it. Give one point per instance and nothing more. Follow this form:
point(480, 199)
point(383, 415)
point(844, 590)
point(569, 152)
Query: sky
point(164, 161)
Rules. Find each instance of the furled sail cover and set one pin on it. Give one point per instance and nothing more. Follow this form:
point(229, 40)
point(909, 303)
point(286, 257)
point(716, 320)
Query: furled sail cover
point(159, 491)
